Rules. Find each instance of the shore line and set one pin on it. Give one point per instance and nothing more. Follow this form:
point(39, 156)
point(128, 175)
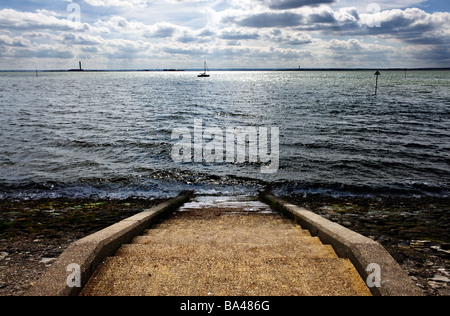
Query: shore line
point(90, 251)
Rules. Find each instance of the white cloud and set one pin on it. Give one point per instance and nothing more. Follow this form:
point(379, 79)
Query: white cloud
point(412, 26)
point(41, 19)
point(285, 37)
point(14, 42)
point(362, 5)
point(117, 3)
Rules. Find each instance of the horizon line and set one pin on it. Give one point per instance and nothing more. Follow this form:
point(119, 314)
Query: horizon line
point(225, 69)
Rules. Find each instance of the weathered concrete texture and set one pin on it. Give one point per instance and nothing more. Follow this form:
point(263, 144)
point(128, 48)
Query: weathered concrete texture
point(166, 276)
point(225, 252)
point(90, 251)
point(361, 250)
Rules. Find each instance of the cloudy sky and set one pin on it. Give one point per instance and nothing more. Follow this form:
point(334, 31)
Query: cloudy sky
point(157, 34)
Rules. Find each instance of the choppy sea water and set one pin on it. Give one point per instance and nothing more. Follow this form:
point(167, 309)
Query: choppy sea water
point(109, 134)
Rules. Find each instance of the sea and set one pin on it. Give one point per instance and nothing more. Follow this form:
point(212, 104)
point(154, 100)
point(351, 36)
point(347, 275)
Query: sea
point(113, 134)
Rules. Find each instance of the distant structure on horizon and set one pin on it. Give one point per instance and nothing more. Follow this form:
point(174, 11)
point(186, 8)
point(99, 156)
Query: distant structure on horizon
point(80, 69)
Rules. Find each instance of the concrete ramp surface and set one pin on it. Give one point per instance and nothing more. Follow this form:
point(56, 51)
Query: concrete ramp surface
point(225, 246)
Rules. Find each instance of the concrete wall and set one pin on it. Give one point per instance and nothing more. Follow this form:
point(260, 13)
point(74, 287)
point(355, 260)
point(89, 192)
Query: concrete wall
point(360, 250)
point(89, 252)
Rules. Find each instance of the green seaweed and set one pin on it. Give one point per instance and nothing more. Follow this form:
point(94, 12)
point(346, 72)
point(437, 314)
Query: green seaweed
point(56, 217)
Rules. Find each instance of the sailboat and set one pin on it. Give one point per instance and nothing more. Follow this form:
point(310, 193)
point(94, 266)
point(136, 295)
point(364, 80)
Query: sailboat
point(204, 74)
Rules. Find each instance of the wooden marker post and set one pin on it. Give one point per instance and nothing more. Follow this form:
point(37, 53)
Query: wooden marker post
point(376, 84)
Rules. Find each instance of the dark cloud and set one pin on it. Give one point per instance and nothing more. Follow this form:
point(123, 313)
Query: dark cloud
point(162, 31)
point(411, 26)
point(298, 41)
point(187, 38)
point(294, 4)
point(206, 33)
point(436, 54)
point(90, 49)
point(80, 39)
point(321, 17)
point(267, 19)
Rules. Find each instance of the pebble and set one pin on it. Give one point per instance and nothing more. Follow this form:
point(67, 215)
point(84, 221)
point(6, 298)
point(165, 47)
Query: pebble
point(420, 244)
point(435, 285)
point(47, 260)
point(440, 278)
point(440, 250)
point(3, 255)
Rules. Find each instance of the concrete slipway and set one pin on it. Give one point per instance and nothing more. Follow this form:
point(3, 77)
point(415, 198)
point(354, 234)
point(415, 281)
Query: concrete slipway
point(200, 246)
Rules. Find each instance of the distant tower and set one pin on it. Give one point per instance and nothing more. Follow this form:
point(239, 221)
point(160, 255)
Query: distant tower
point(80, 66)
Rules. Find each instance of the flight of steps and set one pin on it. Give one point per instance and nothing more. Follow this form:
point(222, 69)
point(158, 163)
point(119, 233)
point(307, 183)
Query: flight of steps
point(226, 250)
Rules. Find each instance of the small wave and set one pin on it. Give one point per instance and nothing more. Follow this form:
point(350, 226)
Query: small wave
point(170, 184)
point(419, 146)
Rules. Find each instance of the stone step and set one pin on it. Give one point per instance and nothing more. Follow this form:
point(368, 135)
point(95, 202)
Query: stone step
point(244, 231)
point(258, 276)
point(235, 251)
point(225, 240)
point(224, 226)
point(225, 222)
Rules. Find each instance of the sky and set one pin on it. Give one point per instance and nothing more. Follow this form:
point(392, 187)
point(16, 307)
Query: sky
point(150, 34)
